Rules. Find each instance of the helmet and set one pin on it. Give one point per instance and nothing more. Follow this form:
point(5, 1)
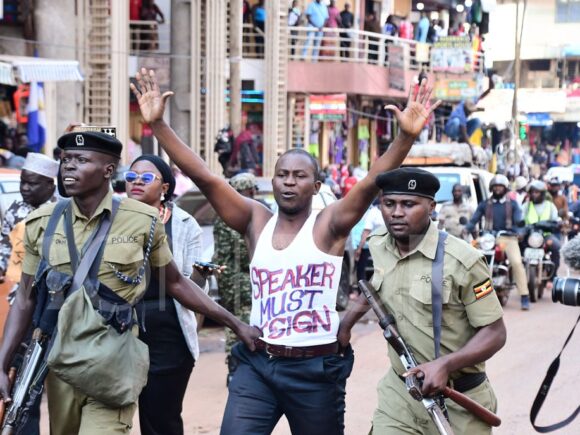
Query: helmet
point(538, 185)
point(500, 180)
point(554, 181)
point(520, 183)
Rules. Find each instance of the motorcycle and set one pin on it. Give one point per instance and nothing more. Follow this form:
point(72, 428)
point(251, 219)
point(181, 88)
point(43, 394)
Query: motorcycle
point(537, 257)
point(499, 265)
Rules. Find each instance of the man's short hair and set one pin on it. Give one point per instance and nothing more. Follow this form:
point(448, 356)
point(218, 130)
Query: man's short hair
point(300, 151)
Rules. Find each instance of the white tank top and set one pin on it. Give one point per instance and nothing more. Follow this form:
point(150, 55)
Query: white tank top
point(294, 289)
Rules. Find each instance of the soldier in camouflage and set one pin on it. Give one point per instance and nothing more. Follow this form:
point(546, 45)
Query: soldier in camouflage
point(234, 281)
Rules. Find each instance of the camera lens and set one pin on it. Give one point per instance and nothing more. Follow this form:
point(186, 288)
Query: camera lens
point(566, 291)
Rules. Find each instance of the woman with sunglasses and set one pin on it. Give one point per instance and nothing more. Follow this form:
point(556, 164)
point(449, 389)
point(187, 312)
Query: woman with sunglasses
point(170, 329)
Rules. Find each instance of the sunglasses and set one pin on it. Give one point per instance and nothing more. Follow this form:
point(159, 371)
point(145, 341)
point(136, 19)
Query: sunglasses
point(145, 177)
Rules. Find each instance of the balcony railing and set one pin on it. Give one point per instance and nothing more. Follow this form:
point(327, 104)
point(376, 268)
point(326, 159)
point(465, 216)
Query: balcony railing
point(148, 37)
point(355, 46)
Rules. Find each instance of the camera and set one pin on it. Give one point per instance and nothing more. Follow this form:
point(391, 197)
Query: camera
point(566, 291)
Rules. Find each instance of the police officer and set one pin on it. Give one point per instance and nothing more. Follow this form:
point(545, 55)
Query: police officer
point(88, 163)
point(472, 328)
point(234, 280)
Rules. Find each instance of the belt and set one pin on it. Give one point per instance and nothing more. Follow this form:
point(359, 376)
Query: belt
point(465, 382)
point(297, 352)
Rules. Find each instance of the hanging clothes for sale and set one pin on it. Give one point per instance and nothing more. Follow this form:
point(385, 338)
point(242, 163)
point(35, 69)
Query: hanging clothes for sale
point(313, 147)
point(364, 136)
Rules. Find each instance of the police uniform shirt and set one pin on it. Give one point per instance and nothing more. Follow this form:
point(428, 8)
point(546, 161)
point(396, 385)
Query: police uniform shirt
point(124, 249)
point(404, 285)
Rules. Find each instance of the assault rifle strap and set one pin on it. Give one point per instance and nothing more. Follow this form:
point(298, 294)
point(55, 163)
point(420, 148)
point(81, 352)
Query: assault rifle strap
point(545, 388)
point(51, 226)
point(437, 291)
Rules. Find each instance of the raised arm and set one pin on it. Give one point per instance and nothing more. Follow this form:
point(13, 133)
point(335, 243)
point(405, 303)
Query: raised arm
point(234, 209)
point(344, 214)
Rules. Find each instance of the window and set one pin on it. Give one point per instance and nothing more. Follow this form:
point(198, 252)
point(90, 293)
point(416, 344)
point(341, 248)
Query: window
point(539, 65)
point(567, 11)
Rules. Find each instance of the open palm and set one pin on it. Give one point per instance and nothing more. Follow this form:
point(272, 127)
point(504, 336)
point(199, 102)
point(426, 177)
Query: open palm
point(412, 119)
point(151, 102)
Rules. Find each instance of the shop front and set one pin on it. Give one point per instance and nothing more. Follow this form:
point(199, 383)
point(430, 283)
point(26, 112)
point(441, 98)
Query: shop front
point(28, 106)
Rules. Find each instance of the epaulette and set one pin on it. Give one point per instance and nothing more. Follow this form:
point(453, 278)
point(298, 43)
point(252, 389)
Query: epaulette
point(42, 211)
point(379, 232)
point(462, 251)
point(133, 205)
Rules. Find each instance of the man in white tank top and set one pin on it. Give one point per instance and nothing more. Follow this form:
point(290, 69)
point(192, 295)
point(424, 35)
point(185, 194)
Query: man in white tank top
point(297, 368)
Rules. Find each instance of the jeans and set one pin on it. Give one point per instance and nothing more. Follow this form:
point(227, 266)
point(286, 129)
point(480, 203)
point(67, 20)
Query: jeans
point(309, 391)
point(453, 127)
point(313, 38)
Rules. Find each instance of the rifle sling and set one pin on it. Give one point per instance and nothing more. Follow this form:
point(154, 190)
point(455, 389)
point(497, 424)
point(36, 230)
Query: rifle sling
point(437, 291)
point(545, 388)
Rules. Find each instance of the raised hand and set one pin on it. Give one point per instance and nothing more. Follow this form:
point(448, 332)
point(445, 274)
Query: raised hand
point(412, 119)
point(151, 102)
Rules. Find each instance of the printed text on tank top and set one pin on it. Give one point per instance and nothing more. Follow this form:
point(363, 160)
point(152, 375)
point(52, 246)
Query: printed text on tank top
point(294, 288)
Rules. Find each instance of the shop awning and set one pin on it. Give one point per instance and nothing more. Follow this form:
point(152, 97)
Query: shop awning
point(497, 108)
point(20, 69)
point(541, 100)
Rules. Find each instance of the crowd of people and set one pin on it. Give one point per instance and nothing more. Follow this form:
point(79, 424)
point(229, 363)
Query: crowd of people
point(292, 355)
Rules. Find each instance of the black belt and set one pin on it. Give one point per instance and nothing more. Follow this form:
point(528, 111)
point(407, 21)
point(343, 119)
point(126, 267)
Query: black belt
point(465, 382)
point(297, 352)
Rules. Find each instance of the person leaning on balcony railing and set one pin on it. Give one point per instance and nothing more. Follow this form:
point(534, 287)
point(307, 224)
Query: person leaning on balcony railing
point(372, 25)
point(346, 22)
point(317, 16)
point(294, 16)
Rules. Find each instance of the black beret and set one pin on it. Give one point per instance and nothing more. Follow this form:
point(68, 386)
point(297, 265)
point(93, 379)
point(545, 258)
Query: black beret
point(409, 181)
point(91, 141)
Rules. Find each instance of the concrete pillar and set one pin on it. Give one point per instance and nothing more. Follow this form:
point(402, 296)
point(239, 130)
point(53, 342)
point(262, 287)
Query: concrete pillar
point(275, 94)
point(215, 113)
point(235, 67)
point(120, 72)
point(180, 68)
point(195, 72)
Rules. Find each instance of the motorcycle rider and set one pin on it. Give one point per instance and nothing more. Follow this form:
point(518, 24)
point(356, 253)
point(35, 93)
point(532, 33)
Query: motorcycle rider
point(537, 209)
point(520, 194)
point(504, 214)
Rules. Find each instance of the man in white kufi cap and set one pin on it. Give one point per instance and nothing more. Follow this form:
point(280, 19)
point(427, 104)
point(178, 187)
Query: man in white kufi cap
point(36, 187)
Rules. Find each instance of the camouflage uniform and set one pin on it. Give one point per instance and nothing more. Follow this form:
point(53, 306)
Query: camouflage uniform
point(234, 282)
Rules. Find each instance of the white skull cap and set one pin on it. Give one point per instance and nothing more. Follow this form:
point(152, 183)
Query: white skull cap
point(41, 164)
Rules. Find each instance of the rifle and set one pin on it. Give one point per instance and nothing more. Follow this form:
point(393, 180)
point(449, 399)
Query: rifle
point(436, 412)
point(29, 383)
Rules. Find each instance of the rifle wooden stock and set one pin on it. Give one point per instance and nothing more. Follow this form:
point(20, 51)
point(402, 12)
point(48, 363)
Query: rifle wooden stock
point(462, 400)
point(472, 406)
point(11, 377)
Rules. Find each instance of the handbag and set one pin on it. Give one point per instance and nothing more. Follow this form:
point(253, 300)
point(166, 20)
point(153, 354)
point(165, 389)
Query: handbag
point(106, 363)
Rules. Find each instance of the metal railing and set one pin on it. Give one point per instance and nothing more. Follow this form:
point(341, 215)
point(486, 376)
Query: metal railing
point(354, 46)
point(148, 37)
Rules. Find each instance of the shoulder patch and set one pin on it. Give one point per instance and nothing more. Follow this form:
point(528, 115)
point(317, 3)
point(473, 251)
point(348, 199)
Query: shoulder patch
point(42, 211)
point(462, 251)
point(129, 204)
point(482, 289)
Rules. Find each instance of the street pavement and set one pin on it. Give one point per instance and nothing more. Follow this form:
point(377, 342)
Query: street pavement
point(534, 339)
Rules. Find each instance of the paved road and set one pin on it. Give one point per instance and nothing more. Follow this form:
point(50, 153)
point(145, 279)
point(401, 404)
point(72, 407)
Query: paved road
point(534, 338)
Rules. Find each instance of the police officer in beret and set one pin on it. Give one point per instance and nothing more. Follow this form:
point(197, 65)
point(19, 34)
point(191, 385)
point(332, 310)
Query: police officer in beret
point(88, 163)
point(471, 329)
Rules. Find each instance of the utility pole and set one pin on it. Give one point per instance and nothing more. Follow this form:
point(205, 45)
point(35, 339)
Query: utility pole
point(235, 66)
point(517, 60)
